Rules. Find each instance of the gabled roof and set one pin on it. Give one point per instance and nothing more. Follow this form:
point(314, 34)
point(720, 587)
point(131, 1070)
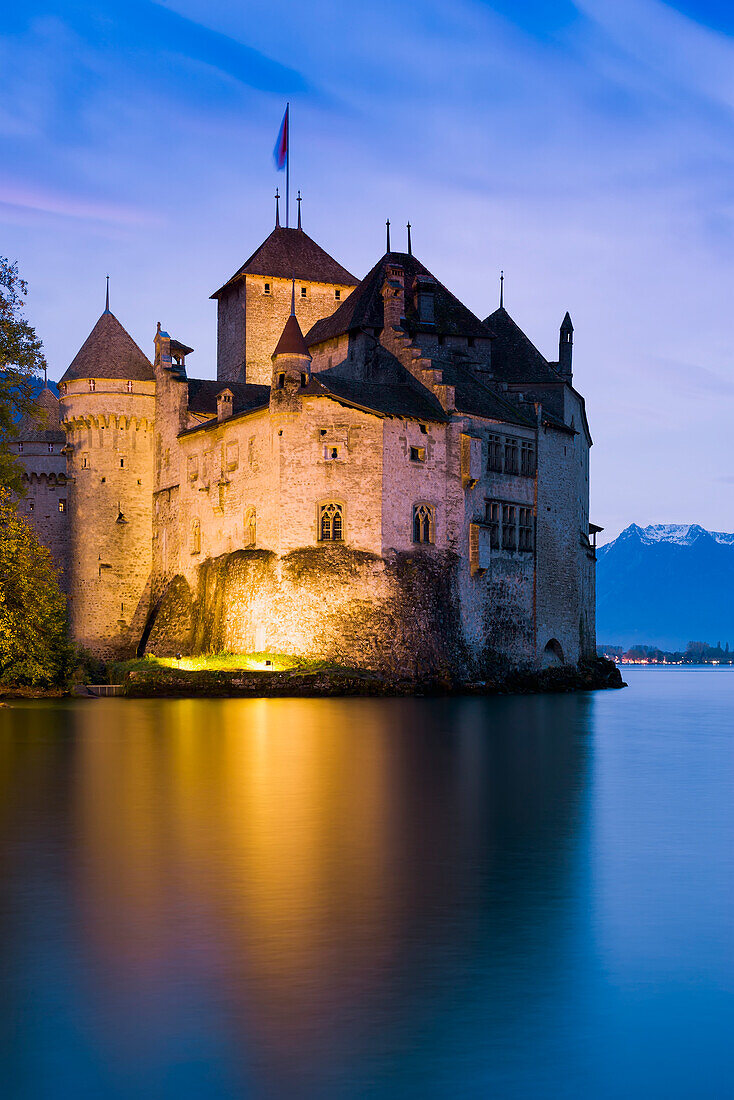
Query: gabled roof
point(47, 428)
point(364, 307)
point(203, 395)
point(385, 398)
point(514, 357)
point(291, 252)
point(109, 352)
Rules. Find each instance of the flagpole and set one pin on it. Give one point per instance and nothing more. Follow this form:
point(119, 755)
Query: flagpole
point(288, 166)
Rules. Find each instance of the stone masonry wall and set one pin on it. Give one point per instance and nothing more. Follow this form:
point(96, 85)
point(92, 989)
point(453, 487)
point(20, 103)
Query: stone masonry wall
point(110, 461)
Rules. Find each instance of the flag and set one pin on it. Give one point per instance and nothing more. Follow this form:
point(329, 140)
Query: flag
point(280, 152)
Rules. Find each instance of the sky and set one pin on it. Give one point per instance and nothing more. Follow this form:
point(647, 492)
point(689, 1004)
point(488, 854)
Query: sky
point(586, 148)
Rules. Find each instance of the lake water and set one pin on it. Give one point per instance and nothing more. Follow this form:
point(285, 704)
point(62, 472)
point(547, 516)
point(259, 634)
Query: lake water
point(518, 897)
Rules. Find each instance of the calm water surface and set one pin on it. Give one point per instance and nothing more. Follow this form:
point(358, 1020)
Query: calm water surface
point(526, 897)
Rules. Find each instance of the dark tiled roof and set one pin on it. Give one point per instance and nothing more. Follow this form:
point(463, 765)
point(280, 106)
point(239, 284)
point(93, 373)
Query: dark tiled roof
point(47, 428)
point(476, 398)
point(109, 352)
point(364, 309)
point(291, 339)
point(386, 398)
point(291, 252)
point(514, 357)
point(203, 395)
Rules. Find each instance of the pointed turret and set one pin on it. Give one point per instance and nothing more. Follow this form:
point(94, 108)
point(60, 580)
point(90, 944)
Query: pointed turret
point(565, 348)
point(291, 362)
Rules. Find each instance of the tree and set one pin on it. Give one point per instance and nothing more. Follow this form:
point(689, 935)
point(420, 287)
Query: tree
point(21, 362)
point(34, 639)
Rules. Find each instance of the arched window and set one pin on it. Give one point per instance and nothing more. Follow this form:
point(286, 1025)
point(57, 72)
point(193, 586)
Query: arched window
point(423, 523)
point(195, 536)
point(250, 528)
point(331, 522)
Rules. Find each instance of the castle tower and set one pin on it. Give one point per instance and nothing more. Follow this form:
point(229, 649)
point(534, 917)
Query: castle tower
point(291, 367)
point(253, 306)
point(107, 411)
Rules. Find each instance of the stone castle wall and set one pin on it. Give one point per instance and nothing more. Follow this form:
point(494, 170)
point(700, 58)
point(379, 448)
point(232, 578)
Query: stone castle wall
point(251, 321)
point(46, 502)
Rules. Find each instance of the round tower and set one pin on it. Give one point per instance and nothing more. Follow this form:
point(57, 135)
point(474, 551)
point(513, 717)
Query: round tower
point(107, 400)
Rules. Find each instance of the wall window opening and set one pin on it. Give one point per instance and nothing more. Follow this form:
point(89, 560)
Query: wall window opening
point(92, 385)
point(423, 523)
point(511, 464)
point(509, 533)
point(266, 288)
point(492, 517)
point(195, 536)
point(527, 458)
point(62, 505)
point(337, 295)
point(525, 529)
point(417, 454)
point(494, 454)
point(331, 522)
point(303, 292)
point(281, 381)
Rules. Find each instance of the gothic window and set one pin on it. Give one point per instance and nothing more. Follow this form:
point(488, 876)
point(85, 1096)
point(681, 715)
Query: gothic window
point(92, 385)
point(494, 454)
point(527, 458)
point(195, 536)
point(509, 533)
point(331, 522)
point(250, 528)
point(511, 466)
point(423, 523)
point(492, 517)
point(417, 454)
point(525, 529)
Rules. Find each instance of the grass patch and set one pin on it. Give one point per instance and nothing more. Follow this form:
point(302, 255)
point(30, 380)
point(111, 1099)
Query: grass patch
point(220, 662)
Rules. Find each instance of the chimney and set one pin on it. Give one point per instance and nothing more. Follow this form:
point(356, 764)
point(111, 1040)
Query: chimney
point(224, 405)
point(565, 349)
point(393, 296)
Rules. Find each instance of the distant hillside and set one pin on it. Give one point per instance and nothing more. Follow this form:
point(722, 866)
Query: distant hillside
point(666, 585)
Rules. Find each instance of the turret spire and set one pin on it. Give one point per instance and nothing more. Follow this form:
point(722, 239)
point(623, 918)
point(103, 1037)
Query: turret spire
point(387, 223)
point(277, 208)
point(107, 296)
point(410, 246)
point(293, 295)
point(298, 200)
point(502, 289)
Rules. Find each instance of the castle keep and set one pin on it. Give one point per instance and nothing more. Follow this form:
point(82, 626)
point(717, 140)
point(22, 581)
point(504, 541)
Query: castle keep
point(376, 476)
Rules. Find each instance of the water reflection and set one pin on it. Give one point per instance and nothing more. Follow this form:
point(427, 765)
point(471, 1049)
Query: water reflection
point(285, 897)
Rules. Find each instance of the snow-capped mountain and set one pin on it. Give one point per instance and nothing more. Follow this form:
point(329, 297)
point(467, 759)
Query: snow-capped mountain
point(666, 585)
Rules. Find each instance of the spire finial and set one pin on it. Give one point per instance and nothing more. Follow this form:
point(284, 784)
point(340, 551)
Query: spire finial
point(410, 246)
point(107, 297)
point(45, 377)
point(502, 289)
point(387, 223)
point(277, 208)
point(293, 295)
point(298, 200)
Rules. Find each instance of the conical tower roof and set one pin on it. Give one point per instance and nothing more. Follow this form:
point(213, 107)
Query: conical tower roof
point(109, 352)
point(291, 339)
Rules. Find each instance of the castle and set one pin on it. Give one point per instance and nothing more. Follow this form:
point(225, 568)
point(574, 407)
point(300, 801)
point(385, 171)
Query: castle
point(377, 477)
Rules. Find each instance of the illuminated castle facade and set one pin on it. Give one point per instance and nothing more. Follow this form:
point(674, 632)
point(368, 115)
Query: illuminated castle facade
point(376, 477)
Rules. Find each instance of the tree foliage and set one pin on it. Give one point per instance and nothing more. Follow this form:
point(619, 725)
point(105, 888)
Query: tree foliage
point(21, 362)
point(34, 641)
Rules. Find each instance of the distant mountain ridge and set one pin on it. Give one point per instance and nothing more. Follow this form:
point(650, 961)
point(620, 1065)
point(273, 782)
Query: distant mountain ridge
point(665, 585)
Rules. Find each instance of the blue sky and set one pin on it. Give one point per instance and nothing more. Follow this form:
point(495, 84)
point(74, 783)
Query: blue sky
point(586, 148)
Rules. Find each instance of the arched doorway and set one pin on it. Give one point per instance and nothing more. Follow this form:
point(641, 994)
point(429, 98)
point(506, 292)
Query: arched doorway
point(552, 655)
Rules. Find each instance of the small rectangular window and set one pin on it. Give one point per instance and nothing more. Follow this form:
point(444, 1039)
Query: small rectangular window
point(337, 295)
point(122, 462)
point(509, 532)
point(303, 292)
point(511, 464)
point(50, 448)
point(333, 452)
point(494, 454)
point(527, 458)
point(31, 505)
point(417, 454)
point(85, 461)
point(62, 505)
point(281, 381)
point(267, 288)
